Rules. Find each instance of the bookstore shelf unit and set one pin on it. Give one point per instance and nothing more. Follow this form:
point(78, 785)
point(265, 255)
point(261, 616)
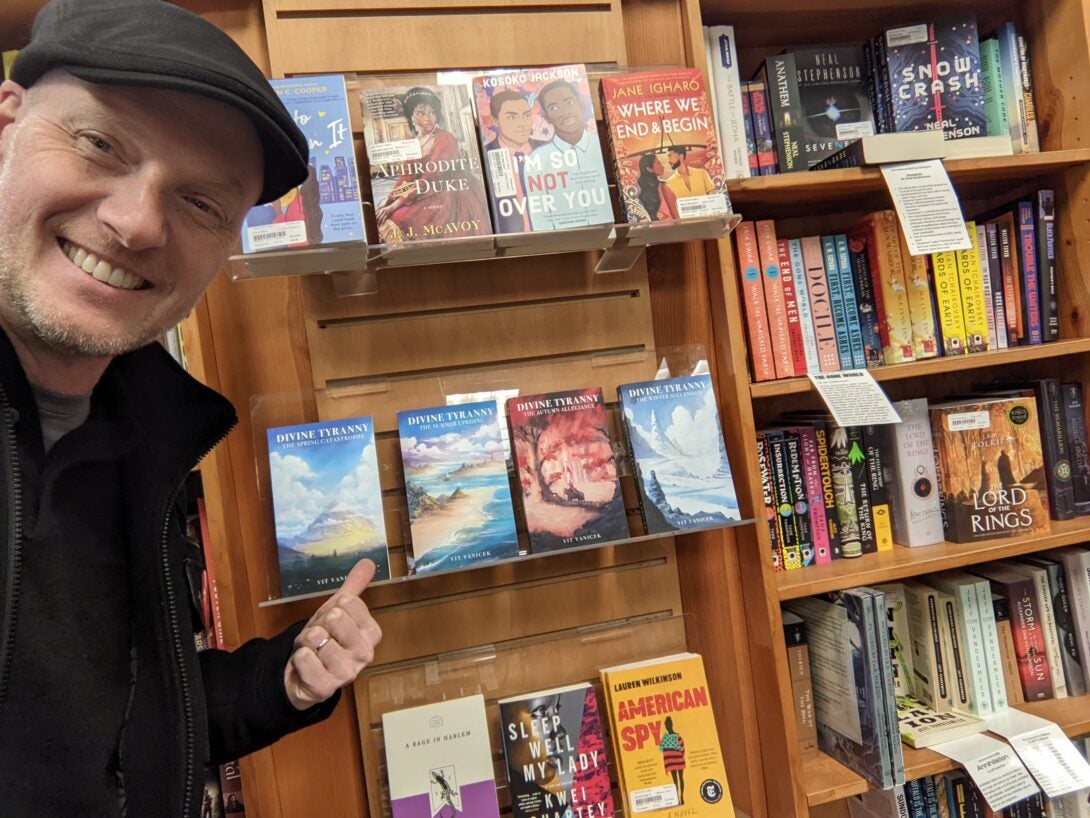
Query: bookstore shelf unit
point(805, 204)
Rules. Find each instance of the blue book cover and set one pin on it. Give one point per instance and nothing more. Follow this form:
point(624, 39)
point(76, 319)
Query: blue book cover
point(851, 303)
point(1031, 288)
point(934, 75)
point(327, 503)
point(326, 208)
point(678, 454)
point(457, 488)
point(802, 296)
point(836, 300)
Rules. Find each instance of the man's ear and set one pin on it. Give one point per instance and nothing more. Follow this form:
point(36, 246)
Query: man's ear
point(12, 96)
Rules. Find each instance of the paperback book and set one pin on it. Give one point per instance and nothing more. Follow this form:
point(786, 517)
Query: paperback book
point(678, 454)
point(456, 485)
point(326, 208)
point(570, 492)
point(327, 503)
point(439, 760)
point(556, 753)
point(665, 149)
point(543, 159)
point(426, 177)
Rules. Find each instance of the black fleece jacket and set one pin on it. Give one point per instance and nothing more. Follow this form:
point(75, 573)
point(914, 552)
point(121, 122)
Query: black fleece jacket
point(184, 710)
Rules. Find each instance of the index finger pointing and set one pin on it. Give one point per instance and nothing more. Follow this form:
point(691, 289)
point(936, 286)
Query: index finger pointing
point(358, 578)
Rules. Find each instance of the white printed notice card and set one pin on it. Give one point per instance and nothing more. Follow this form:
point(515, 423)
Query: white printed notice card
point(927, 206)
point(994, 768)
point(1050, 756)
point(854, 398)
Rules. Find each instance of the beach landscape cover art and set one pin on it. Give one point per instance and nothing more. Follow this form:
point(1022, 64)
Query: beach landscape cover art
point(457, 487)
point(327, 503)
point(680, 459)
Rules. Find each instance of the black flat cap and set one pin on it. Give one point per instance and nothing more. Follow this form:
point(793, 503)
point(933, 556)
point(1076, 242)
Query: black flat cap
point(154, 44)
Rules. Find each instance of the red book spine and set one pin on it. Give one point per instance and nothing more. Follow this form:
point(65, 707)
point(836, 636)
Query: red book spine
point(1029, 641)
point(821, 309)
point(753, 299)
point(774, 299)
point(791, 305)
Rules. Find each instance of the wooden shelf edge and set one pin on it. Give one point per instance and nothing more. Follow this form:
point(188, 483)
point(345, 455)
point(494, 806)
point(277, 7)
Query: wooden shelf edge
point(903, 562)
point(837, 781)
point(936, 366)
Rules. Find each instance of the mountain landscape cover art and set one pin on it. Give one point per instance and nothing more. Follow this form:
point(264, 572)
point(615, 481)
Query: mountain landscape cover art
point(679, 456)
point(327, 503)
point(457, 488)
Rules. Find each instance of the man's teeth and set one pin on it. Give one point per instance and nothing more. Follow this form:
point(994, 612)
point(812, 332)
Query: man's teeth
point(101, 270)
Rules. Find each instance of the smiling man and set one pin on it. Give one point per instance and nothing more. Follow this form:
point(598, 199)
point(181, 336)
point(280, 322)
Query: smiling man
point(134, 137)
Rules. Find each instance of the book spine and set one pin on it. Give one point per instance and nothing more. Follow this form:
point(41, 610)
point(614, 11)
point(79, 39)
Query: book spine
point(865, 239)
point(871, 77)
point(815, 494)
point(1079, 446)
point(1012, 678)
point(891, 288)
point(857, 455)
point(948, 296)
point(991, 78)
point(1029, 642)
point(753, 297)
point(955, 647)
point(971, 291)
point(995, 269)
point(751, 139)
point(993, 660)
point(821, 308)
point(785, 107)
point(1033, 142)
point(885, 88)
point(1046, 265)
point(851, 301)
point(791, 308)
point(1063, 612)
point(1008, 262)
point(840, 465)
point(728, 95)
point(917, 514)
point(976, 665)
point(873, 688)
point(920, 304)
point(928, 672)
point(1027, 257)
point(764, 465)
point(836, 299)
point(934, 302)
point(850, 156)
point(981, 246)
point(1011, 71)
point(1076, 564)
point(798, 660)
point(1061, 490)
point(828, 492)
point(800, 500)
point(806, 315)
point(879, 478)
point(785, 507)
point(767, 162)
point(931, 796)
point(774, 298)
point(1047, 619)
point(867, 302)
point(885, 669)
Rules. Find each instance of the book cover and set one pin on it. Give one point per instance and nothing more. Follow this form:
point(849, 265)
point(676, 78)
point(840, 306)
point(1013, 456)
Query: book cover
point(1061, 604)
point(934, 74)
point(326, 208)
point(753, 298)
point(732, 113)
point(1046, 616)
point(664, 144)
point(439, 760)
point(327, 503)
point(833, 97)
point(991, 469)
point(667, 745)
point(426, 176)
point(679, 456)
point(456, 485)
point(777, 73)
point(920, 726)
point(944, 268)
point(543, 159)
point(571, 495)
point(556, 753)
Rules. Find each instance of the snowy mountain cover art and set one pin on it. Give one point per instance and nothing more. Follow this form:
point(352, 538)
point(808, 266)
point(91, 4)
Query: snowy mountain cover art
point(678, 454)
point(327, 503)
point(457, 487)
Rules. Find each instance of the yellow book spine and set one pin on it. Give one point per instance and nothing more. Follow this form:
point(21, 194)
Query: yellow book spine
point(944, 270)
point(971, 286)
point(924, 340)
point(895, 302)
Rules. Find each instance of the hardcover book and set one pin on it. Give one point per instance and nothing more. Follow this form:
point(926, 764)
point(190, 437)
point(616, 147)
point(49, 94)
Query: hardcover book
point(664, 736)
point(556, 753)
point(570, 492)
point(991, 469)
point(665, 149)
point(426, 177)
point(326, 208)
point(327, 503)
point(543, 160)
point(678, 454)
point(456, 485)
point(439, 760)
point(833, 94)
point(934, 77)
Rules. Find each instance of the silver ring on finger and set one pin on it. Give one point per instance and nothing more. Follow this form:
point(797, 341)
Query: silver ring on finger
point(321, 644)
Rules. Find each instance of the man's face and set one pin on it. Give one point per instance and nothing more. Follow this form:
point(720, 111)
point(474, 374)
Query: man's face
point(674, 158)
point(117, 207)
point(563, 110)
point(514, 121)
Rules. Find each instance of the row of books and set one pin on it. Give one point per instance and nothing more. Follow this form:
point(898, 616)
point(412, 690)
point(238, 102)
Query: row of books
point(543, 165)
point(327, 498)
point(439, 756)
point(804, 105)
point(859, 300)
point(998, 463)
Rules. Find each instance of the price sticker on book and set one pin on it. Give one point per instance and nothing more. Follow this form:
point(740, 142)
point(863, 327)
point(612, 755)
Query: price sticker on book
point(854, 398)
point(994, 768)
point(927, 206)
point(1045, 750)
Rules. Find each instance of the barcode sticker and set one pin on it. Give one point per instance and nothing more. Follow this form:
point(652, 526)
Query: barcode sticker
point(401, 150)
point(714, 204)
point(654, 798)
point(906, 35)
point(963, 421)
point(268, 236)
point(854, 130)
point(501, 172)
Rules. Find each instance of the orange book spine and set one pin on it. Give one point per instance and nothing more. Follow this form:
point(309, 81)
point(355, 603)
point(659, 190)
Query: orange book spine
point(753, 299)
point(775, 301)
